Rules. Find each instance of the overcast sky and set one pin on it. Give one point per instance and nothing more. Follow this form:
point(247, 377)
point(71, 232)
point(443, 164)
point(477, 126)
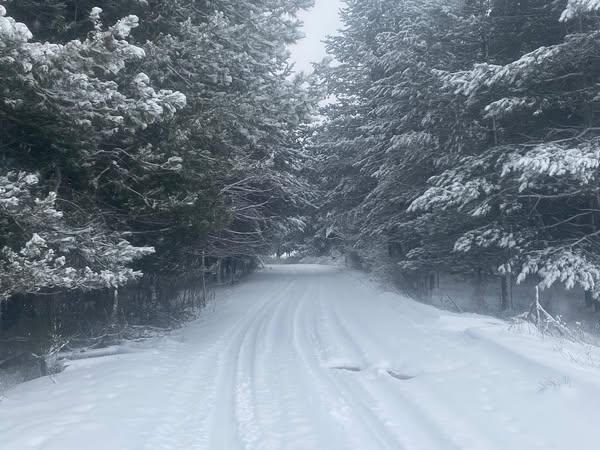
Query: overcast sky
point(319, 22)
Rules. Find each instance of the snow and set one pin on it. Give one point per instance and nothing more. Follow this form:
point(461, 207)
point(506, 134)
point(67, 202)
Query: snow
point(579, 165)
point(123, 27)
point(311, 356)
point(95, 14)
point(579, 8)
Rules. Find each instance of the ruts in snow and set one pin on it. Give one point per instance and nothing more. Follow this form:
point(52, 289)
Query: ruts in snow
point(315, 357)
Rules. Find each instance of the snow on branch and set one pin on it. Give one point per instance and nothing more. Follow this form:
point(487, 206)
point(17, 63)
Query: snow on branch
point(509, 105)
point(570, 267)
point(78, 76)
point(579, 163)
point(42, 251)
point(490, 237)
point(577, 8)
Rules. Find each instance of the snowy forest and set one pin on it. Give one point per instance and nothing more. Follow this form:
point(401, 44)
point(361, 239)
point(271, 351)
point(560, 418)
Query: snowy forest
point(464, 139)
point(150, 148)
point(144, 144)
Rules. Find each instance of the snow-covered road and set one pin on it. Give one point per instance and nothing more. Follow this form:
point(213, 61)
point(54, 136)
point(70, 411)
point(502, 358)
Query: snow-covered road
point(314, 357)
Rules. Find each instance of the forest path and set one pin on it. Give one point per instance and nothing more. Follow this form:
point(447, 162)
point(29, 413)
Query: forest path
point(314, 357)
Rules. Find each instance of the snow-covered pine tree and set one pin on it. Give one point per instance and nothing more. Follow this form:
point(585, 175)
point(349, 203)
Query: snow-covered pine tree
point(145, 124)
point(238, 136)
point(535, 184)
point(44, 252)
point(391, 129)
point(338, 142)
point(59, 108)
point(224, 171)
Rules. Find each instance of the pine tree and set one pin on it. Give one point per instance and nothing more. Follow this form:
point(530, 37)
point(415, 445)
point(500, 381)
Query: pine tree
point(175, 129)
point(533, 185)
point(51, 93)
point(390, 128)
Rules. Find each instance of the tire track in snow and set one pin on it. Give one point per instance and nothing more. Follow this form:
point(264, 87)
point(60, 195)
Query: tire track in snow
point(378, 392)
point(188, 422)
point(352, 406)
point(225, 428)
point(183, 423)
point(278, 391)
point(328, 429)
point(255, 376)
point(428, 419)
point(285, 404)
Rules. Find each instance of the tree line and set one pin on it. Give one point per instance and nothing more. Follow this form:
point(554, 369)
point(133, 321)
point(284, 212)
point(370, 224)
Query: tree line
point(147, 143)
point(144, 139)
point(464, 137)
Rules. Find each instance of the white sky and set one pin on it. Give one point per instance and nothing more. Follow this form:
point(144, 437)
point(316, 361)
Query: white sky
point(319, 22)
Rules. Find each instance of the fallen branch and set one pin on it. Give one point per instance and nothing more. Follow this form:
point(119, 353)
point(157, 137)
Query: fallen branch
point(454, 303)
point(95, 353)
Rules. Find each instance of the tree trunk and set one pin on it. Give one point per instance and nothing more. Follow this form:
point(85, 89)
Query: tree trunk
point(504, 296)
point(233, 269)
point(219, 270)
point(115, 308)
point(589, 300)
point(204, 299)
point(511, 304)
point(479, 295)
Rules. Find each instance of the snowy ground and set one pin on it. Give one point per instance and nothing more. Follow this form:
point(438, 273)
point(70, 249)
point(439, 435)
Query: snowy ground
point(314, 357)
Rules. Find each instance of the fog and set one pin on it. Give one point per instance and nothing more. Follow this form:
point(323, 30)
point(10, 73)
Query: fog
point(319, 22)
